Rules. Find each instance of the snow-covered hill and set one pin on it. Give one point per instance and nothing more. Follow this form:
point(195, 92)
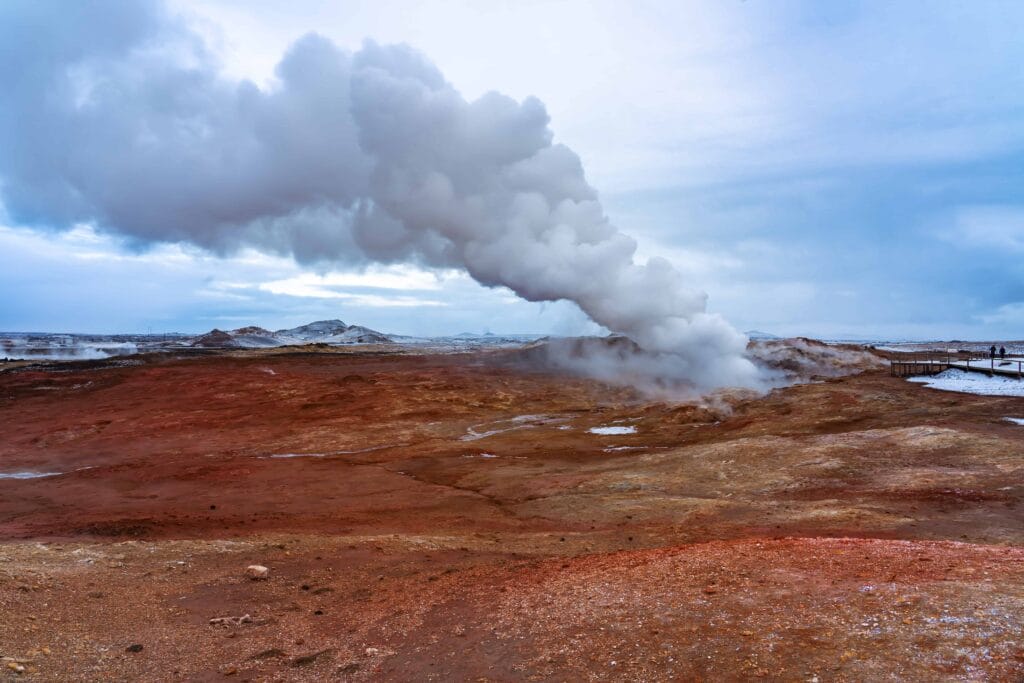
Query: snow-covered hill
point(316, 331)
point(333, 332)
point(320, 332)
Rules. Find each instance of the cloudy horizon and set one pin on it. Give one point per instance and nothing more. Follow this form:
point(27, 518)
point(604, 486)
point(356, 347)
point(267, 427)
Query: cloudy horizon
point(849, 170)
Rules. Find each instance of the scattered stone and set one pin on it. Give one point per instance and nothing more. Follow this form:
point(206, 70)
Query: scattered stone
point(306, 660)
point(372, 652)
point(16, 667)
point(231, 621)
point(257, 572)
point(134, 647)
point(272, 653)
point(230, 671)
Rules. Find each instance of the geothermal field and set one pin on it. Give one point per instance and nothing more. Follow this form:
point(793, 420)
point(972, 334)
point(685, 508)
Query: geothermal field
point(465, 513)
point(606, 479)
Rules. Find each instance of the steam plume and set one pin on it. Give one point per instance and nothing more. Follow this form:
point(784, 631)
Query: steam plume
point(120, 117)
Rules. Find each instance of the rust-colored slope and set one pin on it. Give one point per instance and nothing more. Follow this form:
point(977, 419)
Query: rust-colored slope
point(458, 517)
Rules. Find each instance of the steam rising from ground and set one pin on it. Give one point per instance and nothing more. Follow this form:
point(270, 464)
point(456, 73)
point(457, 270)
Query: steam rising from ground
point(118, 116)
point(784, 361)
point(619, 361)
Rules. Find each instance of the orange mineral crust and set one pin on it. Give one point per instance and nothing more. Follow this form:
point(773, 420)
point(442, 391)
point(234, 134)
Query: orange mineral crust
point(445, 517)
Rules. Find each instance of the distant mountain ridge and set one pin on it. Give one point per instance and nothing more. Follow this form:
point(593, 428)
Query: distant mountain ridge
point(320, 328)
point(319, 332)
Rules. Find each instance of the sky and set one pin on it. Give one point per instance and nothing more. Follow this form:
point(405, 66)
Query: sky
point(836, 170)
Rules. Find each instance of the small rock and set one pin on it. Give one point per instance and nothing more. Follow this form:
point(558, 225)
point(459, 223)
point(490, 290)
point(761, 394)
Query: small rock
point(306, 660)
point(16, 668)
point(134, 647)
point(372, 651)
point(257, 572)
point(231, 621)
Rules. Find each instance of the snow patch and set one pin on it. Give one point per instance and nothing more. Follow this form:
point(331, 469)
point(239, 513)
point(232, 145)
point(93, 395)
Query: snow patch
point(501, 426)
point(610, 430)
point(972, 383)
point(28, 475)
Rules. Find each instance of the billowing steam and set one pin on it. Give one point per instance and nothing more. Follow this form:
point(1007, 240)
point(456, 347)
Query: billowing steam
point(113, 113)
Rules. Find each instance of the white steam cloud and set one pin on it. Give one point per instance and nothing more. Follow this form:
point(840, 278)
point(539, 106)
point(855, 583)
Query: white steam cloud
point(117, 115)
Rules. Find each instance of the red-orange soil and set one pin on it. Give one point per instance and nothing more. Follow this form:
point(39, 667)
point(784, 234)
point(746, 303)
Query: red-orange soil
point(454, 519)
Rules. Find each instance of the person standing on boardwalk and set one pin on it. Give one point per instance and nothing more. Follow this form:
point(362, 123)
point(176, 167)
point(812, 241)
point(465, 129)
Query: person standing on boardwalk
point(1002, 353)
point(992, 352)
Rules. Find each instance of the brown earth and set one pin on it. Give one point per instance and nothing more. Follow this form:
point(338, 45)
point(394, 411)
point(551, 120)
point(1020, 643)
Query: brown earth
point(454, 519)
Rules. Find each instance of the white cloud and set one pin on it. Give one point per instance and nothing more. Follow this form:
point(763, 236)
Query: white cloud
point(992, 227)
point(1008, 314)
point(313, 286)
point(394, 277)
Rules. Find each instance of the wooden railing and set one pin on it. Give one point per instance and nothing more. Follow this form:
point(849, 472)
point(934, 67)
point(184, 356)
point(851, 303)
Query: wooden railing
point(997, 365)
point(912, 367)
point(932, 363)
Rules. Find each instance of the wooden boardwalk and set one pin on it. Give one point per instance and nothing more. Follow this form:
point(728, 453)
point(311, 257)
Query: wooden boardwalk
point(1010, 367)
point(909, 367)
point(918, 366)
